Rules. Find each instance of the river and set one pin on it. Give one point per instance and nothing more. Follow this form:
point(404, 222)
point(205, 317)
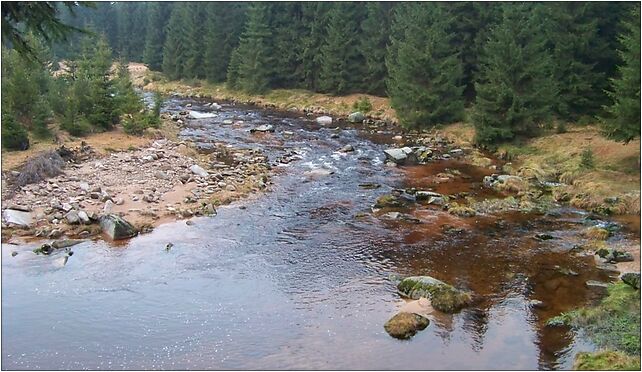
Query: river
point(290, 279)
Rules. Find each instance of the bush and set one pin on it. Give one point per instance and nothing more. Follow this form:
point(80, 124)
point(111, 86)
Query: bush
point(363, 105)
point(14, 135)
point(40, 167)
point(587, 161)
point(561, 127)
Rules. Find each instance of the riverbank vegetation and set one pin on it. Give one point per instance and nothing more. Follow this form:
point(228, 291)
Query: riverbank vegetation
point(438, 63)
point(613, 325)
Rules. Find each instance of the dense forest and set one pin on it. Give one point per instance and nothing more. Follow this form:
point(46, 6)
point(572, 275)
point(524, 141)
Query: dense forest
point(509, 68)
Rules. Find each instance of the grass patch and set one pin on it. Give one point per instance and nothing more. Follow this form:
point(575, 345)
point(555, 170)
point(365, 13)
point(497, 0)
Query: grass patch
point(613, 324)
point(606, 360)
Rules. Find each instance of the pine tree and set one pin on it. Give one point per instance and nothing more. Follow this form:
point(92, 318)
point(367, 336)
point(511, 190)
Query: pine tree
point(341, 60)
point(573, 35)
point(314, 15)
point(622, 121)
point(425, 74)
point(375, 35)
point(516, 90)
point(251, 64)
point(193, 44)
point(286, 21)
point(155, 36)
point(174, 50)
point(225, 21)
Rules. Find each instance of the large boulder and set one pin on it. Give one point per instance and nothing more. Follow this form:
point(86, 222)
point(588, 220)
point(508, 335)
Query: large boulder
point(356, 117)
point(405, 325)
point(16, 217)
point(401, 156)
point(443, 297)
point(117, 228)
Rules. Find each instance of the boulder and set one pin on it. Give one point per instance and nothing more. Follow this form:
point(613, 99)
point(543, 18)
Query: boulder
point(116, 227)
point(16, 217)
point(356, 117)
point(324, 120)
point(613, 255)
point(263, 128)
point(401, 156)
point(405, 325)
point(443, 297)
point(83, 217)
point(632, 279)
point(197, 170)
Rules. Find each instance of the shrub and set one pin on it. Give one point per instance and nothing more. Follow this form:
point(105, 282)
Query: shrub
point(587, 161)
point(40, 167)
point(363, 105)
point(561, 127)
point(14, 135)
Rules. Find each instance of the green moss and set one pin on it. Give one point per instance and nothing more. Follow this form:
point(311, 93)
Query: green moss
point(606, 360)
point(613, 324)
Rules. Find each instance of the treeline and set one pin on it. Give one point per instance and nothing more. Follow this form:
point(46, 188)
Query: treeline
point(89, 93)
point(507, 67)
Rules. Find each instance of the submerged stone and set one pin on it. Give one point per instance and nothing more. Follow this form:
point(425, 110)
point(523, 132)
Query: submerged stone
point(64, 243)
point(443, 297)
point(405, 325)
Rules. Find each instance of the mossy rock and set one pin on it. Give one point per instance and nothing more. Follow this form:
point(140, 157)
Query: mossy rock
point(443, 297)
point(390, 201)
point(405, 325)
point(632, 279)
point(606, 361)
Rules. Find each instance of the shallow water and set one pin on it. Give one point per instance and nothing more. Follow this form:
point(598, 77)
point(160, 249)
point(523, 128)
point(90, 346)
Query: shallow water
point(291, 280)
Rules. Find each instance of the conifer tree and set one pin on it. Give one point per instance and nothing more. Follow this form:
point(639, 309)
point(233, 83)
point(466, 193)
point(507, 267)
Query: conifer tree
point(375, 34)
point(225, 21)
point(154, 38)
point(425, 73)
point(193, 44)
point(314, 15)
point(174, 50)
point(516, 91)
point(341, 60)
point(573, 35)
point(286, 21)
point(251, 64)
point(622, 119)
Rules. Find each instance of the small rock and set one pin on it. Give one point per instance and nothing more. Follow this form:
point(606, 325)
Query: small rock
point(544, 236)
point(14, 254)
point(72, 217)
point(17, 217)
point(405, 325)
point(263, 128)
point(109, 205)
point(356, 117)
point(83, 217)
point(197, 170)
point(116, 227)
point(596, 284)
point(346, 148)
point(59, 244)
point(162, 175)
point(324, 120)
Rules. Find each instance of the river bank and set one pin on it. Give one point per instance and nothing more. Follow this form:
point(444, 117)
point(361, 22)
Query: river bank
point(147, 180)
point(552, 157)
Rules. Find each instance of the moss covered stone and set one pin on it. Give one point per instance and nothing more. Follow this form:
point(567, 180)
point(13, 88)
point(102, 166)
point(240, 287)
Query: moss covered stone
point(443, 297)
point(405, 325)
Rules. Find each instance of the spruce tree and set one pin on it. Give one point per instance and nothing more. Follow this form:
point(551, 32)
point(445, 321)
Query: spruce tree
point(225, 21)
point(622, 119)
point(516, 90)
point(572, 33)
point(425, 74)
point(154, 38)
point(193, 44)
point(342, 64)
point(286, 21)
point(314, 15)
point(174, 50)
point(251, 65)
point(375, 35)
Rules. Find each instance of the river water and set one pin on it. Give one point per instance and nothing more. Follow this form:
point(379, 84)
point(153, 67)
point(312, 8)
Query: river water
point(292, 280)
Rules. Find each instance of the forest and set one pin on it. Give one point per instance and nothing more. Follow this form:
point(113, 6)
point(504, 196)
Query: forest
point(509, 68)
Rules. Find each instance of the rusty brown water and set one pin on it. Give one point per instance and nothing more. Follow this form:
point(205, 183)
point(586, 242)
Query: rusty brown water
point(292, 280)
